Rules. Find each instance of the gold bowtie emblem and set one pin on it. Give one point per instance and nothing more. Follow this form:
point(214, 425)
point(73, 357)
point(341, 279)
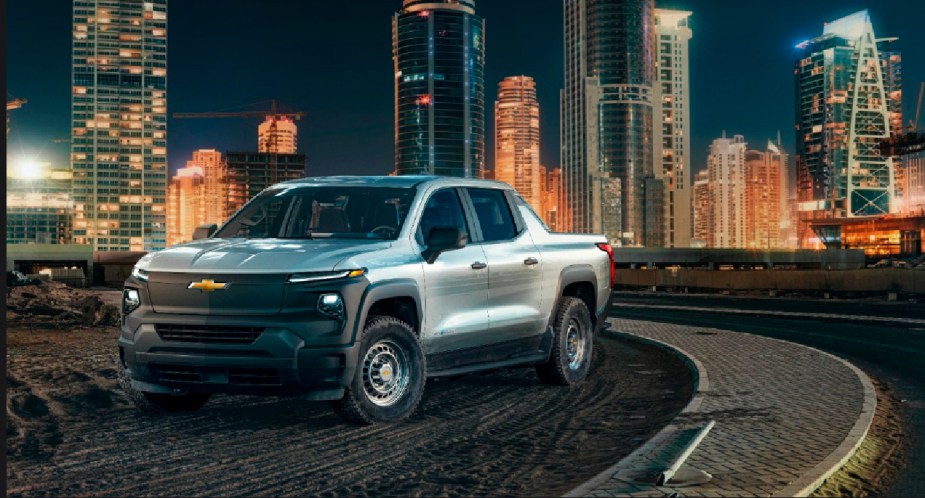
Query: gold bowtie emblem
point(208, 285)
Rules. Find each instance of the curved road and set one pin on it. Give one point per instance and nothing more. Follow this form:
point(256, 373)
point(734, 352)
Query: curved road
point(891, 351)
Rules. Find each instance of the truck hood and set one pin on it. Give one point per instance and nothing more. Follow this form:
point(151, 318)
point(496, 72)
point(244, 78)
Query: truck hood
point(257, 255)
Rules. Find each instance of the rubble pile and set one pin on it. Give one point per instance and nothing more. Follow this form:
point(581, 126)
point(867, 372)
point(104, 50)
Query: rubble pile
point(54, 305)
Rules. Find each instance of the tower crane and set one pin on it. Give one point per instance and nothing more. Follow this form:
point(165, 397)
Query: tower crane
point(15, 103)
point(274, 114)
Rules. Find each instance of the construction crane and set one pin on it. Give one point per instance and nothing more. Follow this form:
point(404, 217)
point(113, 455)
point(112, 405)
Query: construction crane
point(274, 114)
point(15, 103)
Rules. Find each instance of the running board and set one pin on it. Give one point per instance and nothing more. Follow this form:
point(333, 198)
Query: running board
point(538, 357)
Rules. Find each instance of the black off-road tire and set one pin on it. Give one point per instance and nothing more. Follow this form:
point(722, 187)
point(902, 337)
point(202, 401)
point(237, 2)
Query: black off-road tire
point(154, 403)
point(356, 406)
point(571, 312)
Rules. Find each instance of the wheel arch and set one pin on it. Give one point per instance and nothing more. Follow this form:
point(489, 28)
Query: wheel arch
point(577, 281)
point(398, 298)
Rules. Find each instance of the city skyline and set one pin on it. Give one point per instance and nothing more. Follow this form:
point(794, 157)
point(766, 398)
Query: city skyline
point(334, 127)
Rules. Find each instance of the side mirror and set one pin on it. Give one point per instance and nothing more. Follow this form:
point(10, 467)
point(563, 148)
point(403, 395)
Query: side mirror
point(443, 238)
point(204, 231)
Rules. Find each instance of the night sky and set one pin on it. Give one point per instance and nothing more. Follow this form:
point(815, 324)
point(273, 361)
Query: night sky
point(333, 61)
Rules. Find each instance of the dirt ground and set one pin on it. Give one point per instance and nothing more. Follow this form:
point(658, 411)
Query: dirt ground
point(879, 459)
point(72, 432)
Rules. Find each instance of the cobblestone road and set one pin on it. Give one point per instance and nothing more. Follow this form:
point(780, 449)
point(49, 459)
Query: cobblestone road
point(783, 413)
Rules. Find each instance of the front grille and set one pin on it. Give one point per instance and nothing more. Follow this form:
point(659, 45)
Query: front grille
point(208, 334)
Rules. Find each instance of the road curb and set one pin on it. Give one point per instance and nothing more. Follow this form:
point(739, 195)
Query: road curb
point(701, 387)
point(801, 486)
point(809, 482)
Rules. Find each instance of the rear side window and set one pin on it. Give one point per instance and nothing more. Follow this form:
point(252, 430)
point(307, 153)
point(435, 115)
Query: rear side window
point(493, 213)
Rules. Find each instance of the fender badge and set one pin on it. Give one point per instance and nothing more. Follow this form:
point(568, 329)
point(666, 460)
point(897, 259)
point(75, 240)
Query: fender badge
point(208, 285)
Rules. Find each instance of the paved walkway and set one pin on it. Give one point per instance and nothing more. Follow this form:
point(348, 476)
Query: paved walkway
point(787, 314)
point(786, 415)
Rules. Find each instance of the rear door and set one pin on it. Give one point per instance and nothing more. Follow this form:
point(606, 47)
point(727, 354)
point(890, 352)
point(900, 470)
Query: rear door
point(515, 276)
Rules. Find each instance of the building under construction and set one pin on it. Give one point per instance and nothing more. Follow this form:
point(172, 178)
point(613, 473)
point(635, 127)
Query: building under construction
point(900, 235)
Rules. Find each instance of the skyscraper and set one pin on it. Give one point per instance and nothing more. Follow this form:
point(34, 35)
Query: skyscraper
point(278, 134)
point(848, 97)
point(765, 206)
point(607, 115)
point(439, 57)
point(249, 173)
point(517, 138)
point(185, 204)
point(119, 124)
point(672, 130)
point(38, 204)
point(196, 196)
point(703, 210)
point(726, 166)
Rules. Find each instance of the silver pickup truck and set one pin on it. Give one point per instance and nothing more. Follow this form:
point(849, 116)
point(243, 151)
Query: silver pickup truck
point(356, 290)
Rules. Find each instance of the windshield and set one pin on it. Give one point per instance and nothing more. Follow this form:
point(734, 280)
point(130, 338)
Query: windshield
point(322, 212)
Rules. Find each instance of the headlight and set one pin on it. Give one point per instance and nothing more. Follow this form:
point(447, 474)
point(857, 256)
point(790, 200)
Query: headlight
point(139, 274)
point(131, 300)
point(332, 305)
point(317, 276)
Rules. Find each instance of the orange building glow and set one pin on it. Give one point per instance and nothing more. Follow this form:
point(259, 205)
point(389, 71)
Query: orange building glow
point(764, 212)
point(517, 139)
point(196, 196)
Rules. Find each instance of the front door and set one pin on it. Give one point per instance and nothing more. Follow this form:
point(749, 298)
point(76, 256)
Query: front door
point(456, 295)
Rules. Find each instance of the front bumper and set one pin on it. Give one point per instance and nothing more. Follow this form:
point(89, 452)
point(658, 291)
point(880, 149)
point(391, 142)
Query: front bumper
point(297, 351)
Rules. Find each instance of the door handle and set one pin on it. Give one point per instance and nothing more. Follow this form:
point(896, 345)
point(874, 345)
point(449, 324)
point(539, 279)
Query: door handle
point(531, 261)
point(478, 265)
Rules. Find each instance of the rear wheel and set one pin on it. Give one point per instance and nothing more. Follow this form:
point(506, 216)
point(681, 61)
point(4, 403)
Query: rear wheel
point(390, 374)
point(572, 346)
point(158, 402)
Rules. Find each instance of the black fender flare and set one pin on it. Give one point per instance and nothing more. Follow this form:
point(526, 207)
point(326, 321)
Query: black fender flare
point(401, 287)
point(569, 275)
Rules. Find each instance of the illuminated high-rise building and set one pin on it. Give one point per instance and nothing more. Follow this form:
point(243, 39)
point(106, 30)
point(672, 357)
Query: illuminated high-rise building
point(703, 210)
point(726, 167)
point(553, 200)
point(672, 128)
point(439, 57)
point(249, 173)
point(196, 196)
point(765, 206)
point(119, 124)
point(848, 97)
point(38, 204)
point(278, 134)
point(517, 138)
point(186, 204)
point(607, 112)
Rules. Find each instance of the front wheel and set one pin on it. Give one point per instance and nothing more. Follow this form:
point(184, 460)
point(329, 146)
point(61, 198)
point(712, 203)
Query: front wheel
point(572, 344)
point(160, 403)
point(390, 374)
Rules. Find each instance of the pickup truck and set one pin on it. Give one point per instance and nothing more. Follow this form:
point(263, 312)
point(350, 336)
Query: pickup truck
point(356, 290)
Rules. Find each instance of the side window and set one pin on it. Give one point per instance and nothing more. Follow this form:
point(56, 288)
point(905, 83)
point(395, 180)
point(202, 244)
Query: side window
point(493, 213)
point(442, 209)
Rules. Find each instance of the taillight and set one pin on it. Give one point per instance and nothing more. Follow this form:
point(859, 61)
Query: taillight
point(613, 269)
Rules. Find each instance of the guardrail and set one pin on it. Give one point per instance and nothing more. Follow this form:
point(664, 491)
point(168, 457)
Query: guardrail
point(873, 280)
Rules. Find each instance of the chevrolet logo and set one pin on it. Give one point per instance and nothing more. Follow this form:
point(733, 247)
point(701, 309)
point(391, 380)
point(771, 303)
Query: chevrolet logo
point(208, 285)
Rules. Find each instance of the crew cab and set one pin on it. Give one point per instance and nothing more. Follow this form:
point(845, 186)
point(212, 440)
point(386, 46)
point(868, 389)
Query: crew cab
point(355, 290)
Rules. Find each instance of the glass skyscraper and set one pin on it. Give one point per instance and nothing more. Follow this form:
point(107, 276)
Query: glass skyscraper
point(607, 117)
point(119, 124)
point(848, 98)
point(439, 55)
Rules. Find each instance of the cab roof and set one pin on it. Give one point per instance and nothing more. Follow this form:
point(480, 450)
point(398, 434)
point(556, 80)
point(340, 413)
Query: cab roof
point(408, 181)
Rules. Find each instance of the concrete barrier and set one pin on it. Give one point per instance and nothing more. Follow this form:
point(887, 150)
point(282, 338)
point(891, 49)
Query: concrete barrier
point(874, 280)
